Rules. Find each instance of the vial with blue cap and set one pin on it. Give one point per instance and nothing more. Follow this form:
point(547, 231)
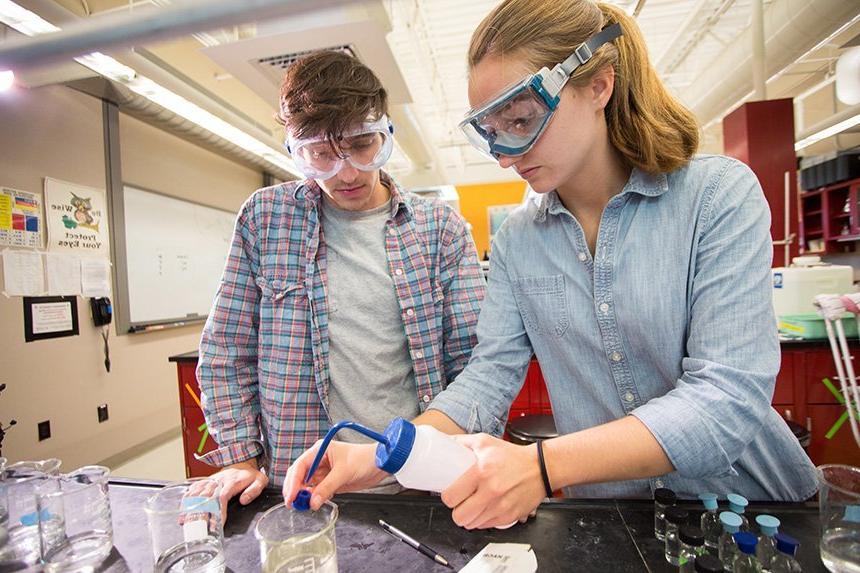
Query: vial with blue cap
point(784, 561)
point(766, 548)
point(738, 504)
point(746, 561)
point(727, 548)
point(710, 521)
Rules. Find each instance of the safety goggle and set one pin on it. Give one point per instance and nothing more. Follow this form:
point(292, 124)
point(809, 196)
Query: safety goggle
point(511, 122)
point(367, 148)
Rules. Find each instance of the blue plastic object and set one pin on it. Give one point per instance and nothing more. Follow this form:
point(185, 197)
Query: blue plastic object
point(330, 435)
point(737, 503)
point(768, 524)
point(746, 542)
point(302, 501)
point(709, 499)
point(731, 521)
point(391, 456)
point(786, 543)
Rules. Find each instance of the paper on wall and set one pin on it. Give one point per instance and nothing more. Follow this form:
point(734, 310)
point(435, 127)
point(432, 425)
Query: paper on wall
point(23, 273)
point(503, 558)
point(64, 274)
point(95, 277)
point(20, 218)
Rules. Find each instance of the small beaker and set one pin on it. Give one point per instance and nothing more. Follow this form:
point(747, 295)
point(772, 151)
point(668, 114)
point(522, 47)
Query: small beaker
point(293, 540)
point(20, 543)
point(185, 525)
point(839, 509)
point(75, 528)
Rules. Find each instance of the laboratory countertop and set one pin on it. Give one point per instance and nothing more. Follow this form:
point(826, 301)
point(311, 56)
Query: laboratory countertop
point(567, 535)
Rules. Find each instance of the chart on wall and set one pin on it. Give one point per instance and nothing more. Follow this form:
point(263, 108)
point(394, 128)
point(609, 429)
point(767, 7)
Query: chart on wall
point(175, 254)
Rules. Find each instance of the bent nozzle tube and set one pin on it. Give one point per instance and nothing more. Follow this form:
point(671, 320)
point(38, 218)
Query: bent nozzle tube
point(330, 435)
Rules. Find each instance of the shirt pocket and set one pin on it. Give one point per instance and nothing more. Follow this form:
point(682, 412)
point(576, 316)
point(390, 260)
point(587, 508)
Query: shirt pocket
point(542, 302)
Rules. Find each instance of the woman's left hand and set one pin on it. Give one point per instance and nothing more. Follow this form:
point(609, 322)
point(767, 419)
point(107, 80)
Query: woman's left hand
point(504, 485)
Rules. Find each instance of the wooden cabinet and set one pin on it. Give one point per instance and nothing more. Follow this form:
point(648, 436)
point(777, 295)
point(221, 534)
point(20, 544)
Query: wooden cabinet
point(830, 218)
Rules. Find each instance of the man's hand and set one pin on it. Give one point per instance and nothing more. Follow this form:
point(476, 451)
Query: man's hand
point(344, 467)
point(244, 477)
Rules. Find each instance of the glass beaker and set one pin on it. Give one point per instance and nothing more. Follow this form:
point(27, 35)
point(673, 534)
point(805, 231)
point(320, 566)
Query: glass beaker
point(20, 545)
point(839, 509)
point(75, 528)
point(185, 525)
point(292, 540)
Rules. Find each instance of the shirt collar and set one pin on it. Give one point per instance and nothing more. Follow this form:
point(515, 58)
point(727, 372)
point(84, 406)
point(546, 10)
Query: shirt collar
point(640, 182)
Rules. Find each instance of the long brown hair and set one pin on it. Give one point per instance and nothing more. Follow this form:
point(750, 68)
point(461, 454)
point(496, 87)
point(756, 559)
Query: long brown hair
point(646, 124)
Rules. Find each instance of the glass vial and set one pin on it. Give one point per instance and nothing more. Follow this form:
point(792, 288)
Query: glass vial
point(663, 498)
point(675, 518)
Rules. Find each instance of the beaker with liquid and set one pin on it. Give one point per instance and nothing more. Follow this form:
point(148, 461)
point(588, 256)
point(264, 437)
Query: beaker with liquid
point(839, 509)
point(293, 540)
point(21, 544)
point(184, 521)
point(75, 528)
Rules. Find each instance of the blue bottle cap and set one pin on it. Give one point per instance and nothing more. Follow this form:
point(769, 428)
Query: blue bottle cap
point(709, 499)
point(768, 524)
point(401, 435)
point(786, 543)
point(737, 503)
point(746, 542)
point(731, 521)
point(302, 501)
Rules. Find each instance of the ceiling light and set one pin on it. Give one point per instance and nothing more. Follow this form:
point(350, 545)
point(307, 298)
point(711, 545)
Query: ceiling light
point(7, 80)
point(827, 132)
point(32, 24)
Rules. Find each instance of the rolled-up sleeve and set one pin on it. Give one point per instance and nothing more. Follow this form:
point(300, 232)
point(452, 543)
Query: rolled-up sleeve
point(479, 398)
point(732, 350)
point(227, 368)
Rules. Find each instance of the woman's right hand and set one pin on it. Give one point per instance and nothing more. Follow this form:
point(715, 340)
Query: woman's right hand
point(344, 467)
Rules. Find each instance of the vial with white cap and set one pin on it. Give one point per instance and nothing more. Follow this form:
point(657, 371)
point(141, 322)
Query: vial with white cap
point(784, 561)
point(738, 504)
point(746, 561)
point(727, 548)
point(766, 548)
point(710, 521)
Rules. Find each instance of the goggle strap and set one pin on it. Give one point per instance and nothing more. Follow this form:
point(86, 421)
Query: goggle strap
point(581, 55)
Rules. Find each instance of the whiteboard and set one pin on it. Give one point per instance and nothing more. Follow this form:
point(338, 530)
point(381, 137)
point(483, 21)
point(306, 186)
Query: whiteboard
point(175, 252)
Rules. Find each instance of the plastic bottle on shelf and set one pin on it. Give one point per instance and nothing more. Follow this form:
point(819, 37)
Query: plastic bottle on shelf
point(766, 547)
point(784, 560)
point(710, 521)
point(738, 504)
point(675, 518)
point(746, 561)
point(692, 547)
point(727, 547)
point(663, 499)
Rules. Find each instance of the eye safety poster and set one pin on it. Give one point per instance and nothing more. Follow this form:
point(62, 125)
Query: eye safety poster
point(20, 218)
point(77, 218)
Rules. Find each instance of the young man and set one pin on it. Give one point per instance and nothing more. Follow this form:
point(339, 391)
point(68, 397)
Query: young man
point(343, 297)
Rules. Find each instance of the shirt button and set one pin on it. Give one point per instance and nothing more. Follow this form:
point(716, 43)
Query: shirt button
point(419, 354)
point(398, 272)
point(582, 256)
point(628, 397)
point(658, 483)
point(426, 398)
point(603, 307)
point(410, 312)
point(616, 356)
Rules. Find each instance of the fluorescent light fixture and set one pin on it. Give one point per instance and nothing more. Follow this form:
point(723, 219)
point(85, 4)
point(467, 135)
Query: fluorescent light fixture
point(827, 132)
point(7, 80)
point(32, 24)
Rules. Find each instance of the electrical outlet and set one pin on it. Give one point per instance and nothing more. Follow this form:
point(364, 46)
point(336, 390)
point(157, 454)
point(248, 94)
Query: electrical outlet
point(103, 413)
point(44, 430)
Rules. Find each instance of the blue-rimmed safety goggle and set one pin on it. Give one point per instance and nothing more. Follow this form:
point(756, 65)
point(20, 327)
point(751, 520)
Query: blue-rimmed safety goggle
point(511, 122)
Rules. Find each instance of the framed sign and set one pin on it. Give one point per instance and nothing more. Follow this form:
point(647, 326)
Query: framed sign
point(50, 317)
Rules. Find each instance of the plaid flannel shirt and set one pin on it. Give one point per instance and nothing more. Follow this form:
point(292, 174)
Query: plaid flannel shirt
point(263, 367)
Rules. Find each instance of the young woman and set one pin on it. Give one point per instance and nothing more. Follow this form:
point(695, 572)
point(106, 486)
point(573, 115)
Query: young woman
point(639, 277)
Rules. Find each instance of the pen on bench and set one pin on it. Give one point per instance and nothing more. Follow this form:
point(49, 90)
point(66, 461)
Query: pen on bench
point(414, 544)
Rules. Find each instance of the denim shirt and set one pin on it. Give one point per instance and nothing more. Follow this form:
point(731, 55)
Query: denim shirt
point(670, 321)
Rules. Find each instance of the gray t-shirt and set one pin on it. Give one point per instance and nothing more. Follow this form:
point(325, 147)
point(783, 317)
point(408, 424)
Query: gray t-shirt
point(372, 381)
